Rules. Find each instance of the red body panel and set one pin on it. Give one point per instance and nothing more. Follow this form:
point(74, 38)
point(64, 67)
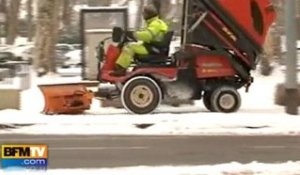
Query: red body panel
point(240, 11)
point(213, 66)
point(112, 55)
point(170, 73)
point(209, 64)
point(226, 41)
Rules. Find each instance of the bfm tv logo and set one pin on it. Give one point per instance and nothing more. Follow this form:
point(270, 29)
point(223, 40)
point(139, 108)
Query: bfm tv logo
point(24, 157)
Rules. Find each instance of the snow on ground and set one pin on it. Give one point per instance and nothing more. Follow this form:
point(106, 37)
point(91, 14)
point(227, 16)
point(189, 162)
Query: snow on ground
point(258, 115)
point(289, 168)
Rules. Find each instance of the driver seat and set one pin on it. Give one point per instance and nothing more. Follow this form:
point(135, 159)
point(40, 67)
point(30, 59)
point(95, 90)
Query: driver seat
point(158, 52)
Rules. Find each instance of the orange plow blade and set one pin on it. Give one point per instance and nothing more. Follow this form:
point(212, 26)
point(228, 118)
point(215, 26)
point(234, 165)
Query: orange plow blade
point(66, 98)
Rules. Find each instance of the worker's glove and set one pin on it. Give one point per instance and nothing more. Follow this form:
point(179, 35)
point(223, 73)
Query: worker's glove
point(130, 36)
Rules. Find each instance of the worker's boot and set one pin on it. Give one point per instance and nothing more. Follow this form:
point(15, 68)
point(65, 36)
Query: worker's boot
point(119, 71)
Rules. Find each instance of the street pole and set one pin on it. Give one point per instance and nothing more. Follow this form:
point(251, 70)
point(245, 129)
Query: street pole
point(291, 60)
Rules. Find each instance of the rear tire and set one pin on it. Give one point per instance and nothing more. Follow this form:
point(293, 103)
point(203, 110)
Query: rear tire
point(141, 95)
point(207, 101)
point(225, 99)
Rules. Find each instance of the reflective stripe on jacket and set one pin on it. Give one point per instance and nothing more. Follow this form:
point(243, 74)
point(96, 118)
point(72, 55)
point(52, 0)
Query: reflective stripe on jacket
point(154, 31)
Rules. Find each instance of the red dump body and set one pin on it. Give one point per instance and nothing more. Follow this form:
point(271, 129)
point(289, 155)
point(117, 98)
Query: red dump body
point(253, 16)
point(237, 25)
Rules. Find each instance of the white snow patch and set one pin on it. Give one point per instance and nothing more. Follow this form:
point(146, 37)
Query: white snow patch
point(234, 168)
point(163, 124)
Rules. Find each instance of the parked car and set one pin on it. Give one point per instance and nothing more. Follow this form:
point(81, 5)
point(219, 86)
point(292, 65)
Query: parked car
point(77, 46)
point(60, 58)
point(3, 47)
point(8, 56)
point(64, 48)
point(73, 59)
point(7, 64)
point(23, 51)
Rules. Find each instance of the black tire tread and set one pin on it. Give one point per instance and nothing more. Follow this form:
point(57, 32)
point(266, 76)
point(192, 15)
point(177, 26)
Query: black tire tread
point(215, 95)
point(134, 109)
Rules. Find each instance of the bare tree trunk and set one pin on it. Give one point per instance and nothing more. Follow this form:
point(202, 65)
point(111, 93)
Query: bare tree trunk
point(53, 38)
point(3, 6)
point(13, 20)
point(46, 35)
point(298, 19)
point(67, 14)
point(3, 10)
point(29, 20)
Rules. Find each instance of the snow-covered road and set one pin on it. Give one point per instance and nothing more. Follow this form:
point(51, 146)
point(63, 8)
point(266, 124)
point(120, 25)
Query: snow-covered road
point(201, 123)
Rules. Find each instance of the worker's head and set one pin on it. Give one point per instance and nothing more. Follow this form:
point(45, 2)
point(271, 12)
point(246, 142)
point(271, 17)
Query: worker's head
point(149, 12)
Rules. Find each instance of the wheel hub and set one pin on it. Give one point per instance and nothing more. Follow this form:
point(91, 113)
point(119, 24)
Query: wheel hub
point(227, 101)
point(141, 96)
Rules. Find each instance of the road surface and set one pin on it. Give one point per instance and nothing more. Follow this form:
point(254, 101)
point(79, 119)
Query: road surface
point(118, 151)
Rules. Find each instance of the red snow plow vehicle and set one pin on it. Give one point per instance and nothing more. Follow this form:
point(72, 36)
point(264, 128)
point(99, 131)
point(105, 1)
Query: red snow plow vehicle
point(221, 42)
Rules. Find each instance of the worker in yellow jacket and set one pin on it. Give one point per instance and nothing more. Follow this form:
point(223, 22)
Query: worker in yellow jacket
point(153, 33)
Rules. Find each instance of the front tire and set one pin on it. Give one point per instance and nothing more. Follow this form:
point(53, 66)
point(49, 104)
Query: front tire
point(225, 99)
point(141, 95)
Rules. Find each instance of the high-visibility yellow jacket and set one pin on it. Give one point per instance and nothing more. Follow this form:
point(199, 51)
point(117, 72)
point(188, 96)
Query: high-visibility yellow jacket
point(154, 31)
